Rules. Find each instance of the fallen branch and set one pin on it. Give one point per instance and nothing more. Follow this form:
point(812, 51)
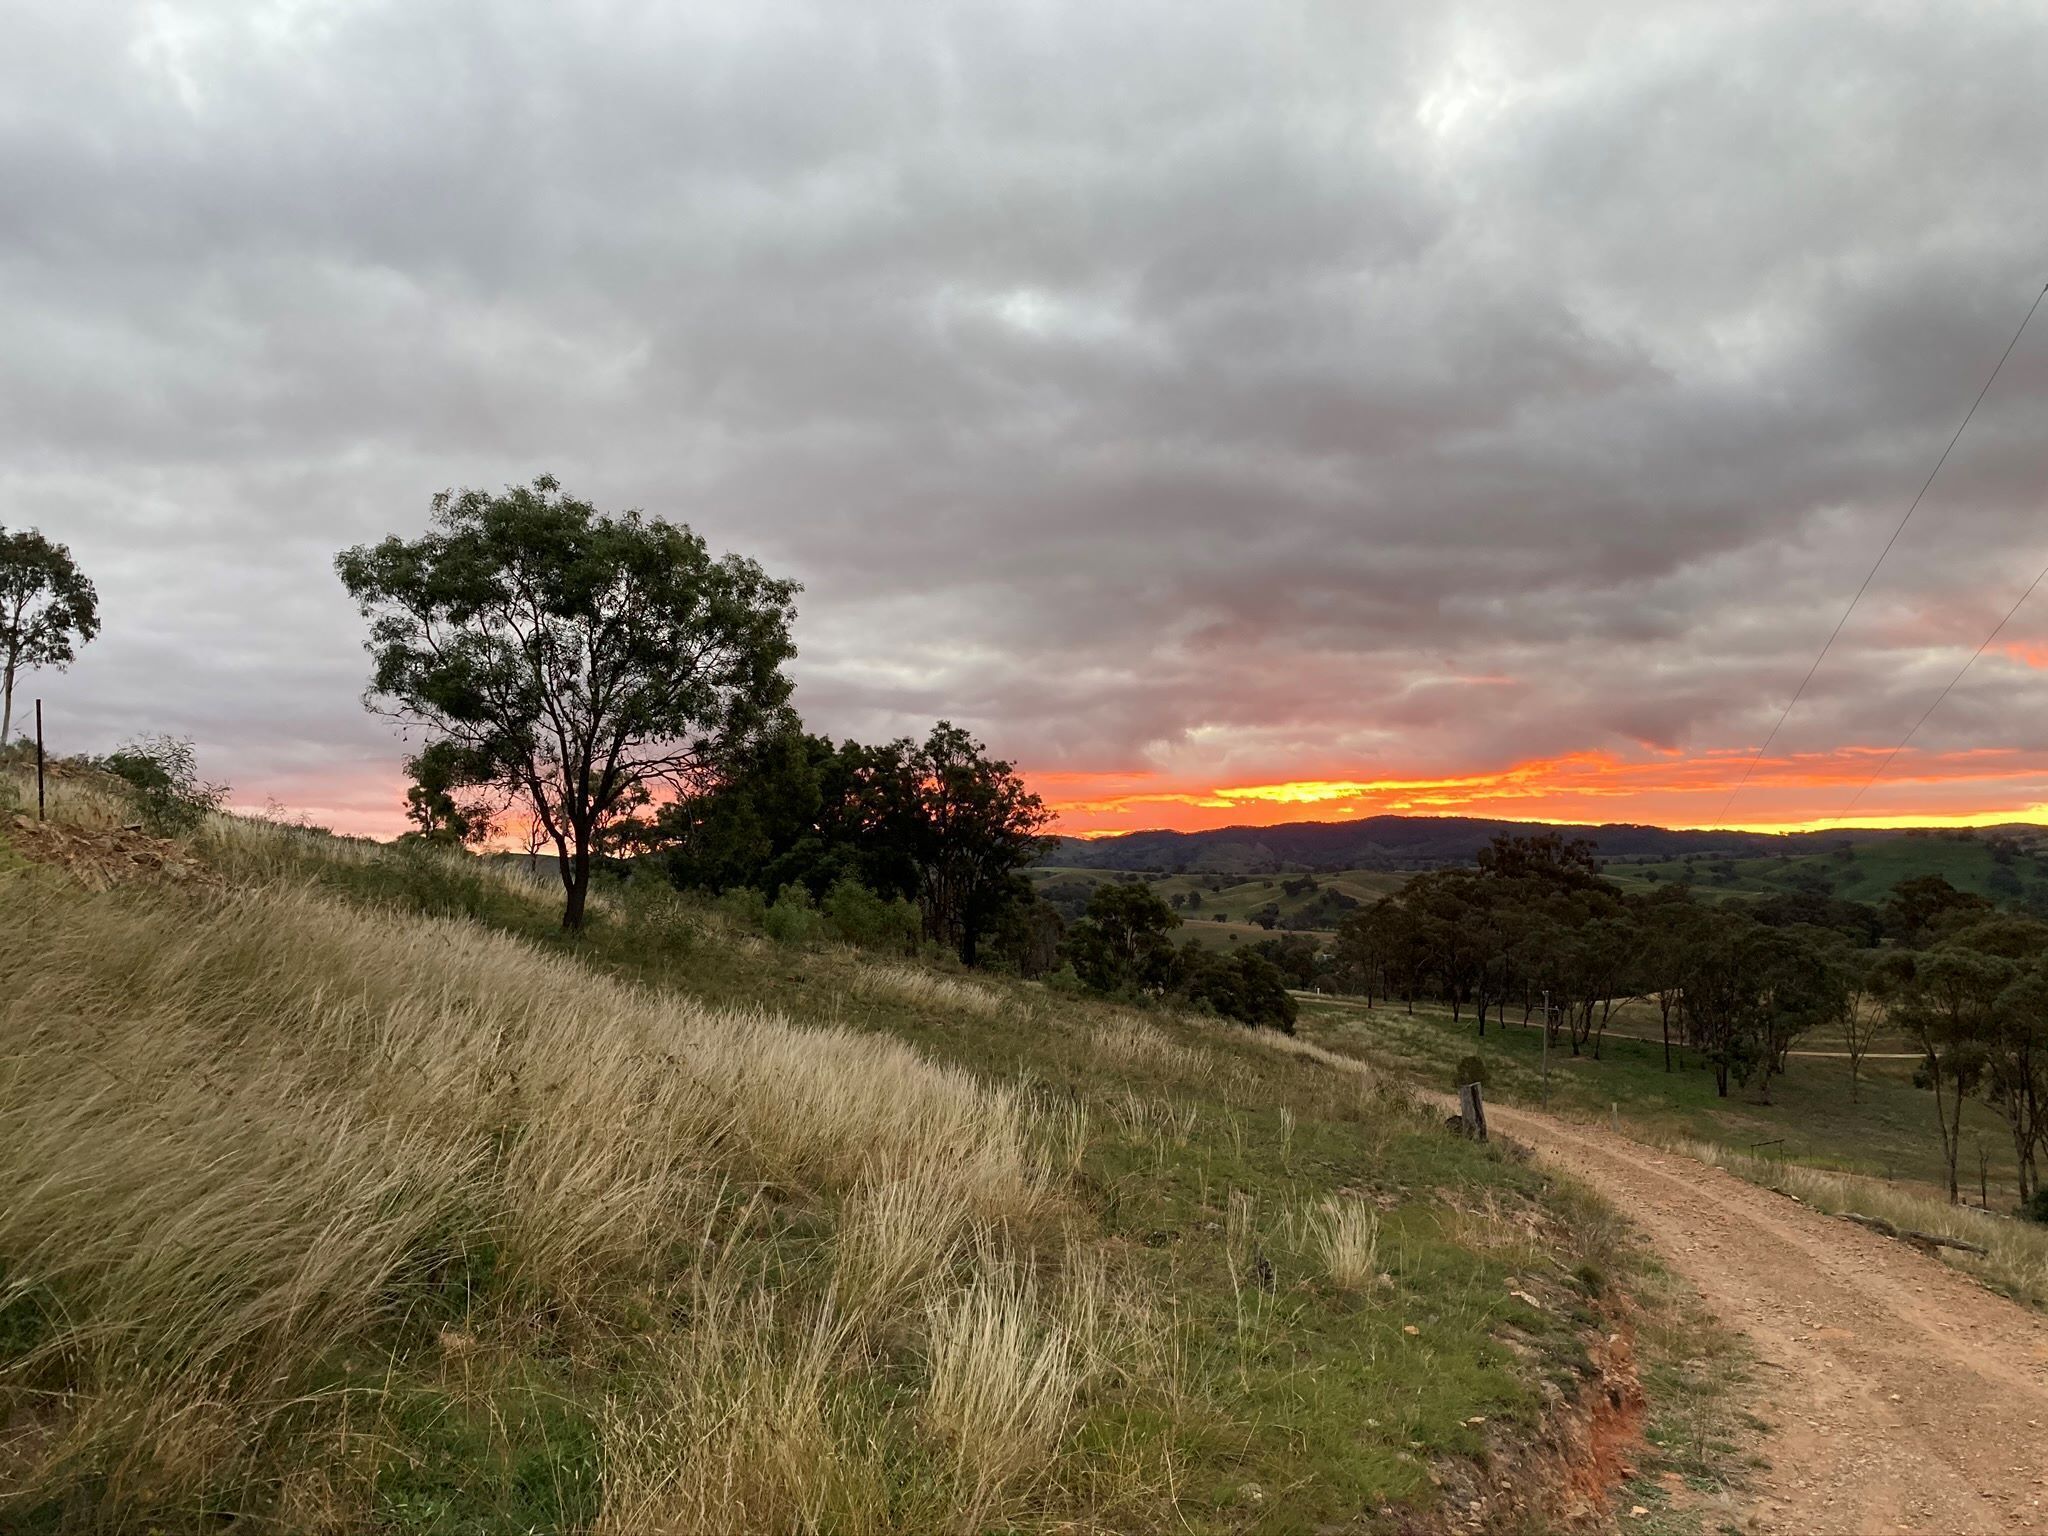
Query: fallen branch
point(1924, 1239)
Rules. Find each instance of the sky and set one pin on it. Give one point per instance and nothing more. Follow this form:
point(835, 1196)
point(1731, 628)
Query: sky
point(1229, 412)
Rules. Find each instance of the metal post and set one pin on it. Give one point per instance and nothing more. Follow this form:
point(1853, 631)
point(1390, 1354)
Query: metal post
point(1546, 1048)
point(39, 759)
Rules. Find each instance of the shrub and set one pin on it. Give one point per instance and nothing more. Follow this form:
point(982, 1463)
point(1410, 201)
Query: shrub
point(1244, 986)
point(2036, 1208)
point(794, 918)
point(163, 772)
point(744, 907)
point(1471, 1069)
point(857, 915)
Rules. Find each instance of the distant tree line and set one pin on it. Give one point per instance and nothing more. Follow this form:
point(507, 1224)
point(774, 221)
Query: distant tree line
point(1737, 984)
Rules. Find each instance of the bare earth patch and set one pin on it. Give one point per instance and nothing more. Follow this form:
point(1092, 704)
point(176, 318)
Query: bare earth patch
point(101, 859)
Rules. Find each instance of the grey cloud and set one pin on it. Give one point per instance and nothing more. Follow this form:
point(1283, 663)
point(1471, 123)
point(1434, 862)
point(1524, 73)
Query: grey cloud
point(1120, 380)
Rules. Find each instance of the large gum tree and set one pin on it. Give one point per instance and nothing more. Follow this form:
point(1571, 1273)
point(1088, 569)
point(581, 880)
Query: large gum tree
point(573, 660)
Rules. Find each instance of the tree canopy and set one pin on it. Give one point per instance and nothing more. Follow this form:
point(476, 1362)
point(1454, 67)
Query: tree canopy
point(47, 610)
point(576, 660)
point(938, 822)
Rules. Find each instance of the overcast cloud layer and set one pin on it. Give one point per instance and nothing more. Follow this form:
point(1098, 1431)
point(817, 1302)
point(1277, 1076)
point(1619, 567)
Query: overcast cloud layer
point(1183, 397)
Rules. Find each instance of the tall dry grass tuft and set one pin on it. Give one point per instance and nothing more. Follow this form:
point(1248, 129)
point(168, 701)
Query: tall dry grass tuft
point(1128, 1041)
point(893, 1238)
point(1002, 1389)
point(738, 1432)
point(926, 989)
point(1345, 1235)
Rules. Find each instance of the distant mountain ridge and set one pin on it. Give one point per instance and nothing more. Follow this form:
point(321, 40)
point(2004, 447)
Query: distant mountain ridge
point(1407, 842)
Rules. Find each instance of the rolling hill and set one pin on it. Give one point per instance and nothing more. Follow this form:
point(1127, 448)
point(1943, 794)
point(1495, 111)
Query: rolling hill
point(1432, 842)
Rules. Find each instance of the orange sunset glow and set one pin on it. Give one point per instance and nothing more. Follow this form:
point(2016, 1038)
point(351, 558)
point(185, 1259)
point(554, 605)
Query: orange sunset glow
point(1792, 793)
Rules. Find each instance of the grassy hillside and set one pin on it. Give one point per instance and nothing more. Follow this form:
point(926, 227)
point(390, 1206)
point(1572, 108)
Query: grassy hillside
point(1218, 909)
point(344, 1193)
point(2007, 867)
point(1390, 843)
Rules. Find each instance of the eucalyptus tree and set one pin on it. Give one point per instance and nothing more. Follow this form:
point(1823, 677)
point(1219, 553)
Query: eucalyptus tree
point(47, 610)
point(579, 661)
point(1947, 998)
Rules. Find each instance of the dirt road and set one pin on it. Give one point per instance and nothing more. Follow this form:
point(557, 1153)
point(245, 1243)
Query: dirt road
point(1902, 1397)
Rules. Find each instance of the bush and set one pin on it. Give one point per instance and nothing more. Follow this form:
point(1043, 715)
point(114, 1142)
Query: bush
point(794, 918)
point(858, 916)
point(163, 772)
point(2036, 1208)
point(744, 907)
point(1471, 1069)
point(1245, 987)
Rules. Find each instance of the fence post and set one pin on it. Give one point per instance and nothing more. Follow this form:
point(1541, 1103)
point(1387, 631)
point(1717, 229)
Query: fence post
point(39, 759)
point(1472, 1111)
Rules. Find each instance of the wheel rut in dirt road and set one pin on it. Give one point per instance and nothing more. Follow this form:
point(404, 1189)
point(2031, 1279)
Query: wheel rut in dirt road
point(1901, 1395)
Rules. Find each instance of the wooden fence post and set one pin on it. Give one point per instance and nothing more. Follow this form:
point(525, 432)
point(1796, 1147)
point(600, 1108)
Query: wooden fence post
point(1472, 1111)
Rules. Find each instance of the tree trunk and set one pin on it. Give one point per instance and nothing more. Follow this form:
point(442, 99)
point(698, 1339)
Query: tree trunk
point(1951, 1140)
point(1721, 1079)
point(7, 707)
point(1664, 1019)
point(576, 885)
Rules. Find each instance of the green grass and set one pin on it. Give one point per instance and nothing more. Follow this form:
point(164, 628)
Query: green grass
point(1889, 1132)
point(1859, 869)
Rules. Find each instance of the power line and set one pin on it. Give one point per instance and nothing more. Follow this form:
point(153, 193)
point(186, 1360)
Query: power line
point(1856, 798)
point(1835, 633)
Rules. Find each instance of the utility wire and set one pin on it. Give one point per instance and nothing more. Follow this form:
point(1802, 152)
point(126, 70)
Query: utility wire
point(1834, 634)
point(1856, 798)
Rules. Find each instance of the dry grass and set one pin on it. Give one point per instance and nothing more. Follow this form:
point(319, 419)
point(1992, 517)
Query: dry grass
point(893, 1238)
point(303, 1195)
point(1131, 1042)
point(740, 1432)
point(926, 989)
point(1002, 1389)
point(89, 799)
point(1345, 1235)
point(2017, 1256)
point(239, 1132)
